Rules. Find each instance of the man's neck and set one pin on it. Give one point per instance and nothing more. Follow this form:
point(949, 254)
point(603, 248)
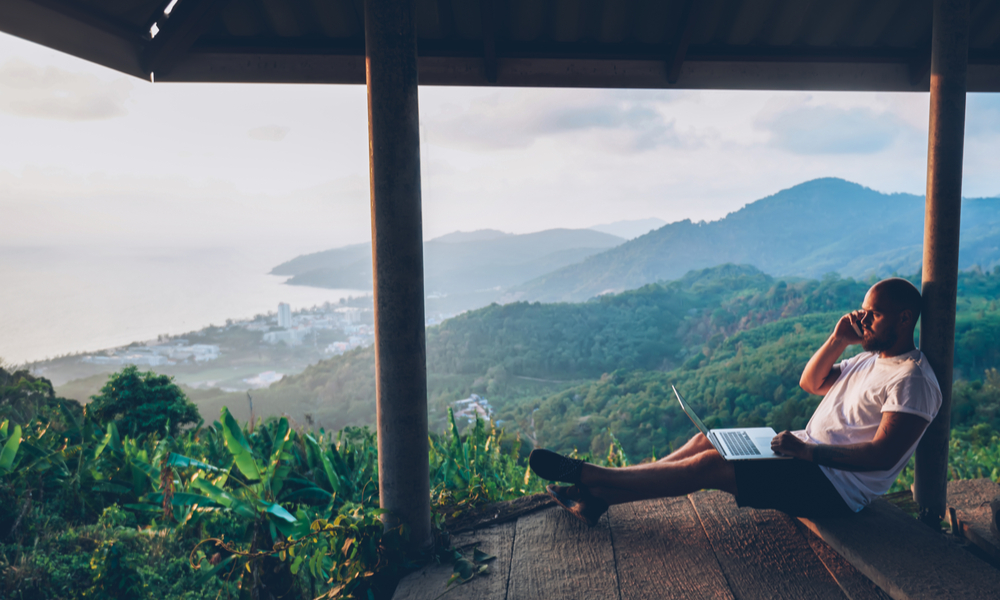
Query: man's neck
point(898, 351)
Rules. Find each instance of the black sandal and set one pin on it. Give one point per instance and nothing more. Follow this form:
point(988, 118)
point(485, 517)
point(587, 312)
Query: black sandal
point(579, 502)
point(555, 467)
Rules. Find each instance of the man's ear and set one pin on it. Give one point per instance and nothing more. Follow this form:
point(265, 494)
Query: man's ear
point(906, 316)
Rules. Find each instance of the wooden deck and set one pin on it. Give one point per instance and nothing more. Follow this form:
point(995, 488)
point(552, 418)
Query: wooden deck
point(699, 546)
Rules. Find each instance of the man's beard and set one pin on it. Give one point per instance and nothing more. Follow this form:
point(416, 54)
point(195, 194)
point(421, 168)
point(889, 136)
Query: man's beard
point(880, 344)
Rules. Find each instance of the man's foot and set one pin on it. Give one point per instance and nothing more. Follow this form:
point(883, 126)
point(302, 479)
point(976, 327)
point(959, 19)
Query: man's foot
point(555, 467)
point(579, 502)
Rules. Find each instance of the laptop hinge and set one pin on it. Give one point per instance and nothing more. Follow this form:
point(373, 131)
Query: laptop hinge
point(717, 443)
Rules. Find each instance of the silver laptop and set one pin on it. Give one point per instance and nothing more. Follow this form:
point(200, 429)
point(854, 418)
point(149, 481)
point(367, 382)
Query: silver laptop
point(745, 443)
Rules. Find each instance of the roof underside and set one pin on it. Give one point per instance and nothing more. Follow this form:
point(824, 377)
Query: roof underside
point(707, 44)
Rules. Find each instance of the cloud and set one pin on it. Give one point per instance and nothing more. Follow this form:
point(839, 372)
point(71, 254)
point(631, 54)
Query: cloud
point(269, 133)
point(831, 130)
point(501, 123)
point(27, 90)
point(982, 115)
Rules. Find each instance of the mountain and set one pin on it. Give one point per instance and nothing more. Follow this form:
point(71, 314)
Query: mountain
point(479, 235)
point(476, 267)
point(817, 227)
point(630, 229)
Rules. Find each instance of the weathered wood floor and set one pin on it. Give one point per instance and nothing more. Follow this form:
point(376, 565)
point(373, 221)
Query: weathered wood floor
point(700, 546)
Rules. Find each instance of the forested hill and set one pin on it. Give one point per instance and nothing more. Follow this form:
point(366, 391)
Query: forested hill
point(818, 227)
point(732, 338)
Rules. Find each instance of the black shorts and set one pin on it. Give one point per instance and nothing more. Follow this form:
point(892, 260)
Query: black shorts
point(794, 486)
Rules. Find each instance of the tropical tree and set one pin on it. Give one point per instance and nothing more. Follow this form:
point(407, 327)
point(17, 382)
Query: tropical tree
point(144, 402)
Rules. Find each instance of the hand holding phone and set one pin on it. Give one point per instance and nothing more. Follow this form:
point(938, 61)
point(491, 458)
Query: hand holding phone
point(857, 329)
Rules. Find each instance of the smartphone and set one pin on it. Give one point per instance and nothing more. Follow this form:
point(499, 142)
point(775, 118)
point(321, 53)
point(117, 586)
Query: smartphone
point(857, 329)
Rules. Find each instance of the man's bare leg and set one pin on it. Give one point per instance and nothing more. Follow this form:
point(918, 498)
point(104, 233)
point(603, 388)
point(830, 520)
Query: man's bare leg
point(695, 445)
point(665, 478)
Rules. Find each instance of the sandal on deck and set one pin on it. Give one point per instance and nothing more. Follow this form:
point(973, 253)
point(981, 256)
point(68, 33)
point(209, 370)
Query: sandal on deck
point(579, 502)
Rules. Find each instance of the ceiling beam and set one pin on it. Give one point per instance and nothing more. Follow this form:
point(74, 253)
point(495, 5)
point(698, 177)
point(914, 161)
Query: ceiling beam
point(680, 47)
point(93, 18)
point(78, 33)
point(178, 32)
point(920, 62)
point(720, 73)
point(488, 10)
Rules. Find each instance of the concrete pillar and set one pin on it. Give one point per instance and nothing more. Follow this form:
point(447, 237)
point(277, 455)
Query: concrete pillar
point(398, 263)
point(949, 61)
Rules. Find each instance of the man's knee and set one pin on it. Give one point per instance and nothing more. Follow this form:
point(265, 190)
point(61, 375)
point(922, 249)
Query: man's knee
point(714, 471)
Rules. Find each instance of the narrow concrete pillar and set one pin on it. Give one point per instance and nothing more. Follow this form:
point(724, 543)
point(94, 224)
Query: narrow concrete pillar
point(398, 263)
point(946, 138)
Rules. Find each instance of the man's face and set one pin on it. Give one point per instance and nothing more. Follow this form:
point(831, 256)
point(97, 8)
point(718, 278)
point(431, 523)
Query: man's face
point(880, 324)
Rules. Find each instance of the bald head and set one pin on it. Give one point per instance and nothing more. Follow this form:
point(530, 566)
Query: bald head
point(900, 295)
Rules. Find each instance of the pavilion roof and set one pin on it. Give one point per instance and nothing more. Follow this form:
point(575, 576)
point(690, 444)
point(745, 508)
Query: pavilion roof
point(708, 44)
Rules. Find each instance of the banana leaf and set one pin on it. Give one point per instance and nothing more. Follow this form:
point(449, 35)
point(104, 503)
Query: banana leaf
point(226, 499)
point(276, 510)
point(111, 438)
point(176, 460)
point(238, 447)
point(182, 499)
point(309, 495)
point(331, 474)
point(10, 449)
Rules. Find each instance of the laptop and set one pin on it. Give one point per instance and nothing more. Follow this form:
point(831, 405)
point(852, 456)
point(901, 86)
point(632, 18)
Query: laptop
point(745, 443)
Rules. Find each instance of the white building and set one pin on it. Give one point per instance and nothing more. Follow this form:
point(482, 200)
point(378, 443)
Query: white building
point(284, 315)
point(291, 337)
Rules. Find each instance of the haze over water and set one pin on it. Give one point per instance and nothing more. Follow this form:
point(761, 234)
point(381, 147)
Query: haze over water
point(75, 299)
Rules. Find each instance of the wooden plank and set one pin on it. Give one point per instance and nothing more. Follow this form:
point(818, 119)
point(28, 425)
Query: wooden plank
point(906, 558)
point(761, 552)
point(497, 513)
point(557, 556)
point(429, 582)
point(971, 500)
point(851, 581)
point(662, 552)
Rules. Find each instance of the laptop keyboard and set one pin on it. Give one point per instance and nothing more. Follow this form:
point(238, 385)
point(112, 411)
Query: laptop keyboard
point(738, 443)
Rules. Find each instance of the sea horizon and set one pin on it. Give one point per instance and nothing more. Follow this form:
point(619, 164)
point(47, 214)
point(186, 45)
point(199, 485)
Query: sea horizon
point(79, 299)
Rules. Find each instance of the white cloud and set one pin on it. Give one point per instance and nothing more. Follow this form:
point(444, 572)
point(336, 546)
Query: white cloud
point(621, 120)
point(28, 90)
point(827, 129)
point(268, 133)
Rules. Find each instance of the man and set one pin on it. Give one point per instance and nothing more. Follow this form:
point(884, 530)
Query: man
point(875, 410)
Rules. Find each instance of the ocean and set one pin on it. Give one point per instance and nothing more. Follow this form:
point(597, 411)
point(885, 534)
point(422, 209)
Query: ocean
point(55, 301)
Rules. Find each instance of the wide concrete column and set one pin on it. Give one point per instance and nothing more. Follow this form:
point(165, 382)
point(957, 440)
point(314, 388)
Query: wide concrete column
point(949, 62)
point(398, 263)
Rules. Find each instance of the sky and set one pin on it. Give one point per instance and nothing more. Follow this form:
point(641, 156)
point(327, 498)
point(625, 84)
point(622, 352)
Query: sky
point(89, 156)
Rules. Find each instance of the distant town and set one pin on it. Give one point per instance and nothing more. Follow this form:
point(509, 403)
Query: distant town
point(243, 354)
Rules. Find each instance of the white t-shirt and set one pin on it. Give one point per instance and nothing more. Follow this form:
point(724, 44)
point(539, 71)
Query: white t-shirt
point(852, 411)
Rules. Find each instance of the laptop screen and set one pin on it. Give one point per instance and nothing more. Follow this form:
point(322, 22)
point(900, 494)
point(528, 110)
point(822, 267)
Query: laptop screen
point(690, 413)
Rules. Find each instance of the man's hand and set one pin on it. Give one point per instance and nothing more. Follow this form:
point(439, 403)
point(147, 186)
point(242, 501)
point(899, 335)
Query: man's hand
point(844, 331)
point(820, 373)
point(787, 444)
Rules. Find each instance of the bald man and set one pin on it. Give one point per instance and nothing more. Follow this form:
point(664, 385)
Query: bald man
point(875, 409)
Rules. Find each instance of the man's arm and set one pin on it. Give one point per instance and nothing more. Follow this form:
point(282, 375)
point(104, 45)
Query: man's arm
point(897, 431)
point(820, 373)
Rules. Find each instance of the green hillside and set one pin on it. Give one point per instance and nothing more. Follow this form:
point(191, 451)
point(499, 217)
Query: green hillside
point(732, 338)
point(805, 231)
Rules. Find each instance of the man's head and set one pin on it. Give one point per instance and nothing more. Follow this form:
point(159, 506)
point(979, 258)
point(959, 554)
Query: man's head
point(891, 309)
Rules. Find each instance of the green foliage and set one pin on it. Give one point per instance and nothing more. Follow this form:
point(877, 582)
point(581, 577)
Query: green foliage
point(24, 397)
point(144, 402)
point(480, 467)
